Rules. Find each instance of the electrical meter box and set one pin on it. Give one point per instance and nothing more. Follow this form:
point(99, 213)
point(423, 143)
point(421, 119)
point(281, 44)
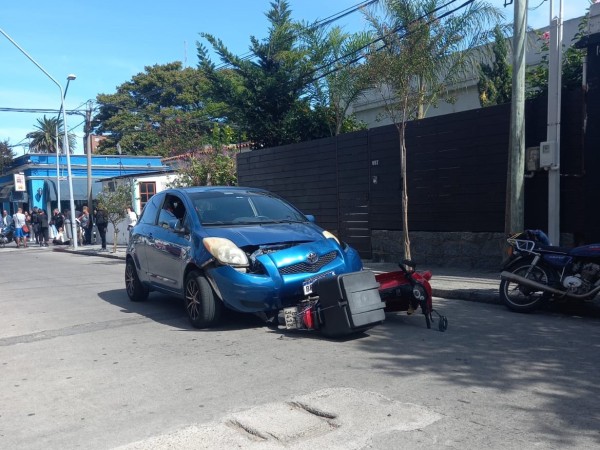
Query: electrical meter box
point(548, 154)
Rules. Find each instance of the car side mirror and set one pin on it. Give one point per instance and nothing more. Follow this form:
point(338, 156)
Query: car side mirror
point(310, 218)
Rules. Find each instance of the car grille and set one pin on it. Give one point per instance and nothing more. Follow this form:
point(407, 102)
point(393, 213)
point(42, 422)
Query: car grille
point(305, 267)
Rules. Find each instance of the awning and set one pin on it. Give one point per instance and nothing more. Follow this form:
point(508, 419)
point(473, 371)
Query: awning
point(79, 189)
point(5, 191)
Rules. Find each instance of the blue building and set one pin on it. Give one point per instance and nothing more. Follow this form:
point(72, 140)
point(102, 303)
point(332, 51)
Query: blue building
point(40, 172)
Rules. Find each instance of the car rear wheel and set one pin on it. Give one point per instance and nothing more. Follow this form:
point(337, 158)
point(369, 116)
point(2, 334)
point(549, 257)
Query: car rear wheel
point(203, 309)
point(136, 291)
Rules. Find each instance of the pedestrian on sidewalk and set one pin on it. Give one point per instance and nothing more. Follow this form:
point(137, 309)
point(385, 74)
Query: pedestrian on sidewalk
point(34, 229)
point(6, 220)
point(28, 228)
point(132, 218)
point(86, 226)
point(60, 238)
point(101, 220)
point(57, 221)
point(19, 222)
point(42, 220)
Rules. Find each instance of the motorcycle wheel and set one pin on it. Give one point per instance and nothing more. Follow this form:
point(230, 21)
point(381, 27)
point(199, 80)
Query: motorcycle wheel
point(525, 299)
point(443, 325)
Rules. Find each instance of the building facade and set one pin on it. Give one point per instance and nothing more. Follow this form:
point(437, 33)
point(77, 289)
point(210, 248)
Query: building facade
point(370, 107)
point(46, 178)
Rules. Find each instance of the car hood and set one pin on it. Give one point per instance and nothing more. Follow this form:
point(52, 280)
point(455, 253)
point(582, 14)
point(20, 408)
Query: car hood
point(245, 235)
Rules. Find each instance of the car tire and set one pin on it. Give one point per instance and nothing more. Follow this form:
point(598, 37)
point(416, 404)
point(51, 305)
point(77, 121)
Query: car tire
point(202, 307)
point(136, 291)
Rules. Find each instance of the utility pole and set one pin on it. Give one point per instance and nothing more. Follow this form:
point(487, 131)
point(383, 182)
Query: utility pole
point(88, 152)
point(515, 193)
point(553, 130)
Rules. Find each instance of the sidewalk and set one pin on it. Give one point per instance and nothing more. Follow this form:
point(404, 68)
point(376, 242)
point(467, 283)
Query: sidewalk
point(454, 283)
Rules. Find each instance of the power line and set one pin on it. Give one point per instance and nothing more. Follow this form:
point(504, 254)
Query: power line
point(536, 7)
point(217, 113)
point(41, 110)
point(318, 24)
point(382, 38)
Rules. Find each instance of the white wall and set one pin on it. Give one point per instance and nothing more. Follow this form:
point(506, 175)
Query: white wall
point(162, 181)
point(370, 107)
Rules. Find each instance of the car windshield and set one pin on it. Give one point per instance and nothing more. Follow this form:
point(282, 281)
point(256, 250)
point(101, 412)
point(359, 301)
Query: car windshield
point(243, 208)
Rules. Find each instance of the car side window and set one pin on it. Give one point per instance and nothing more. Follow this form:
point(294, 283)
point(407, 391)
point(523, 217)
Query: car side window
point(172, 213)
point(150, 210)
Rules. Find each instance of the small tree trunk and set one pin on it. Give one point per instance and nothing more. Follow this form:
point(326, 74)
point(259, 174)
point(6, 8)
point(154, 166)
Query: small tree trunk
point(115, 237)
point(405, 238)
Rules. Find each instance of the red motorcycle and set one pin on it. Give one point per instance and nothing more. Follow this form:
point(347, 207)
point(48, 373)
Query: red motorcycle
point(406, 290)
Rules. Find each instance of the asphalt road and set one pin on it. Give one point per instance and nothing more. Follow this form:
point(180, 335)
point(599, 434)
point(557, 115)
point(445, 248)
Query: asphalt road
point(82, 367)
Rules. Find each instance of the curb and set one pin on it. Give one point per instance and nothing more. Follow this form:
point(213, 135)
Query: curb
point(470, 295)
point(108, 254)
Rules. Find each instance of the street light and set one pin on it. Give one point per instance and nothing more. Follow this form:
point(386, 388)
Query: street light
point(69, 78)
point(62, 107)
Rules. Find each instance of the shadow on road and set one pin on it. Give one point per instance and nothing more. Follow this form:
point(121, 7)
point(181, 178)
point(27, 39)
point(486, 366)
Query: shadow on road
point(546, 355)
point(170, 311)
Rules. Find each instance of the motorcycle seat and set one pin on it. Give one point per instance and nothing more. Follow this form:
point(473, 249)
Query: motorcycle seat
point(554, 249)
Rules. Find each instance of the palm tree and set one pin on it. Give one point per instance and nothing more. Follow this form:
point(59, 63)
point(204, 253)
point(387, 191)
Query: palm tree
point(338, 76)
point(425, 47)
point(43, 140)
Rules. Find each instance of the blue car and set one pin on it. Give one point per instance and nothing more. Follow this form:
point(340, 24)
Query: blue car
point(230, 247)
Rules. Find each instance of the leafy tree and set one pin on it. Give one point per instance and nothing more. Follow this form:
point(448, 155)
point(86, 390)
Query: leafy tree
point(163, 111)
point(339, 76)
point(266, 95)
point(115, 204)
point(536, 77)
point(424, 49)
point(43, 140)
point(210, 168)
point(495, 80)
point(6, 156)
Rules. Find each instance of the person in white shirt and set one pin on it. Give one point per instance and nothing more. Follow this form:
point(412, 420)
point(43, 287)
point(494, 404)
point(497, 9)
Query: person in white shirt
point(19, 222)
point(131, 218)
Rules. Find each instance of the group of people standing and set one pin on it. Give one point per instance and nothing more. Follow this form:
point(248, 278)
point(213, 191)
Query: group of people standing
point(38, 227)
point(35, 226)
point(25, 224)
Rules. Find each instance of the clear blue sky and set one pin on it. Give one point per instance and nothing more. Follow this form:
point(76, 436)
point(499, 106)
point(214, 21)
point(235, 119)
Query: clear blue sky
point(106, 43)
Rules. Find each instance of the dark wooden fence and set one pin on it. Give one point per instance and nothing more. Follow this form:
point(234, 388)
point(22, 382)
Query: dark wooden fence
point(456, 170)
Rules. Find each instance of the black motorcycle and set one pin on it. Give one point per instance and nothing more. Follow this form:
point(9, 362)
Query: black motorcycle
point(537, 272)
point(6, 236)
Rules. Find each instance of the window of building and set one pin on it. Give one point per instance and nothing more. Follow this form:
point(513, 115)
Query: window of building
point(147, 190)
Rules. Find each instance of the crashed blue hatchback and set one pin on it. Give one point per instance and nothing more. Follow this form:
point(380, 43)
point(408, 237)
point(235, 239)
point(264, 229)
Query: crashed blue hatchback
point(230, 247)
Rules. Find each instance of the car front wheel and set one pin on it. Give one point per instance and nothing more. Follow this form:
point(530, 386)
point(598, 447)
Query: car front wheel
point(203, 309)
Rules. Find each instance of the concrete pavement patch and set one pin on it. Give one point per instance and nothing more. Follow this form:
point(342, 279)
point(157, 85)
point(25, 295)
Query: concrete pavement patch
point(333, 418)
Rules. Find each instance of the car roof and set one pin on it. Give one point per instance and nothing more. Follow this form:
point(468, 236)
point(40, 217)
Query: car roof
point(195, 189)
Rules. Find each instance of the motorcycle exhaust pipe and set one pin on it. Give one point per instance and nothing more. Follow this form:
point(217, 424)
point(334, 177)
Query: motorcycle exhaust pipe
point(545, 288)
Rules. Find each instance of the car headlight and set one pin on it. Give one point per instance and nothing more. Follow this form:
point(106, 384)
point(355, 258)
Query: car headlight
point(329, 235)
point(226, 252)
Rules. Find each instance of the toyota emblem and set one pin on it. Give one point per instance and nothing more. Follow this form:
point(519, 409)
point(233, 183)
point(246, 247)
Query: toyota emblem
point(312, 257)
